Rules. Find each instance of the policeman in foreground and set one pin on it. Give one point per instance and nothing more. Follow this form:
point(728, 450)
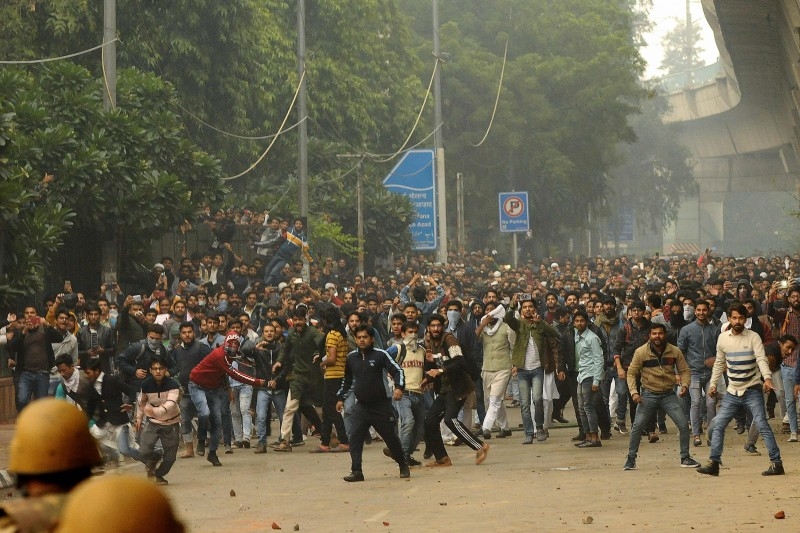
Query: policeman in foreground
point(51, 452)
point(118, 504)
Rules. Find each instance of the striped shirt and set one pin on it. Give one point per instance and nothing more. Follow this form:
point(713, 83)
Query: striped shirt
point(744, 357)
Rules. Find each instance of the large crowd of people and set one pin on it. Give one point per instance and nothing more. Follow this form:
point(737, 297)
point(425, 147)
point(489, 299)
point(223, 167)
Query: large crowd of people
point(217, 351)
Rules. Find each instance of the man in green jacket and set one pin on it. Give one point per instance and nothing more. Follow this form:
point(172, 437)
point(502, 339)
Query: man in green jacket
point(535, 354)
point(300, 355)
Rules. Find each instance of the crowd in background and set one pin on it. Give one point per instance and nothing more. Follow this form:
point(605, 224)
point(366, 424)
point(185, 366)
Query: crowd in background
point(96, 329)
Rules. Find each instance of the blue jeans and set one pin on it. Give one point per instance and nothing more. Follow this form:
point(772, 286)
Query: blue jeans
point(209, 403)
point(124, 446)
point(787, 374)
point(697, 387)
point(646, 410)
point(188, 411)
point(349, 405)
point(587, 405)
point(621, 388)
point(240, 412)
point(34, 384)
point(753, 399)
point(272, 272)
point(530, 391)
point(411, 412)
point(263, 398)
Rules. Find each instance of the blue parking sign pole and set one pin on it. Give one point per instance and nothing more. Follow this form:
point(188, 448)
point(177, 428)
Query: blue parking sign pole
point(513, 217)
point(513, 212)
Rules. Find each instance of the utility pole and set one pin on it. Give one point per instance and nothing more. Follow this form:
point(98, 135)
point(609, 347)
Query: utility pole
point(109, 60)
point(302, 148)
point(359, 210)
point(438, 142)
point(462, 244)
point(110, 54)
point(689, 42)
point(360, 222)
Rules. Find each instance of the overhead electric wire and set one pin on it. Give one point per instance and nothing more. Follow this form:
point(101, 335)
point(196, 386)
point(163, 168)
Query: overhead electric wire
point(497, 99)
point(419, 115)
point(59, 58)
point(274, 139)
point(234, 135)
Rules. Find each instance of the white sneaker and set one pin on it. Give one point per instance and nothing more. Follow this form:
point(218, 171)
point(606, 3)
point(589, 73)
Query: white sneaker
point(793, 437)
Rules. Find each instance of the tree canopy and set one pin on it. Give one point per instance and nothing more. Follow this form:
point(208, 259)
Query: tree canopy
point(129, 173)
point(203, 84)
point(571, 83)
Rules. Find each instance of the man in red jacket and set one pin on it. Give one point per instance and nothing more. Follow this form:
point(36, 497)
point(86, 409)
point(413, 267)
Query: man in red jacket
point(208, 390)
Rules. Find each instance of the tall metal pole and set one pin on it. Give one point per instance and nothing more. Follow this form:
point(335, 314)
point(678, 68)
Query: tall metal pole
point(110, 54)
point(302, 164)
point(360, 224)
point(515, 253)
point(302, 148)
point(111, 246)
point(689, 41)
point(438, 143)
point(460, 212)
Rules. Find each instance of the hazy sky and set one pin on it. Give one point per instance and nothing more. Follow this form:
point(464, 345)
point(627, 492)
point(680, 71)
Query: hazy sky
point(665, 15)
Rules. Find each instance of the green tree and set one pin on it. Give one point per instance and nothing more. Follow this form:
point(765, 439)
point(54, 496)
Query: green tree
point(654, 175)
point(233, 66)
point(570, 86)
point(682, 48)
point(129, 174)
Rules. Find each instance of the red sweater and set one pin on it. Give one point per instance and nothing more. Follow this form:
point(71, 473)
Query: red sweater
point(210, 372)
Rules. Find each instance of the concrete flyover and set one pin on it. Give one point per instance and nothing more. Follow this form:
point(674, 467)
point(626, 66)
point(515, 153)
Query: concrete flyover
point(741, 125)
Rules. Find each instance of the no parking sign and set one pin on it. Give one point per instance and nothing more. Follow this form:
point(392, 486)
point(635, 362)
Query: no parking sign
point(513, 212)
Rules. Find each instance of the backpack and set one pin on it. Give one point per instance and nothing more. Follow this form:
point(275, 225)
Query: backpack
point(608, 357)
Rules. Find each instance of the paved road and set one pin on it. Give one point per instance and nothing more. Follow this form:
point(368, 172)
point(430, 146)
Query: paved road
point(549, 486)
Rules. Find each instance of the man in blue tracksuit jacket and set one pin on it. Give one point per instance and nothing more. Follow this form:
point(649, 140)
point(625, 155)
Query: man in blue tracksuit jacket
point(368, 367)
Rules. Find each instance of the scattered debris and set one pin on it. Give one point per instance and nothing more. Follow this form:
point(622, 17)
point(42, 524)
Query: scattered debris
point(780, 515)
point(588, 519)
point(275, 526)
point(233, 493)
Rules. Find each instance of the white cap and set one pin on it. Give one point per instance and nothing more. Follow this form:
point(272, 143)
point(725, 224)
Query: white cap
point(554, 265)
point(330, 286)
point(496, 274)
point(282, 285)
point(157, 266)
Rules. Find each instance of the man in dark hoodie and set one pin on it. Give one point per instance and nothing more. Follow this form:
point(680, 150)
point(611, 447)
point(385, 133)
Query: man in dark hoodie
point(187, 355)
point(634, 333)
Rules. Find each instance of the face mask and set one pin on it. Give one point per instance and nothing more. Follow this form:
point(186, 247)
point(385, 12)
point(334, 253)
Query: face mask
point(453, 317)
point(222, 306)
point(153, 344)
point(688, 312)
point(410, 338)
point(201, 303)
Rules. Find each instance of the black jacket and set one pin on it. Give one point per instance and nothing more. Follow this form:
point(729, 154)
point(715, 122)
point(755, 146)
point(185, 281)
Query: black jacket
point(105, 339)
point(369, 369)
point(186, 358)
point(138, 356)
point(107, 406)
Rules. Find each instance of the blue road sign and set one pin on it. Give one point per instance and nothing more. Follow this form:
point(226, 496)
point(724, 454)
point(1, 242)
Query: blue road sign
point(413, 177)
point(625, 227)
point(513, 212)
